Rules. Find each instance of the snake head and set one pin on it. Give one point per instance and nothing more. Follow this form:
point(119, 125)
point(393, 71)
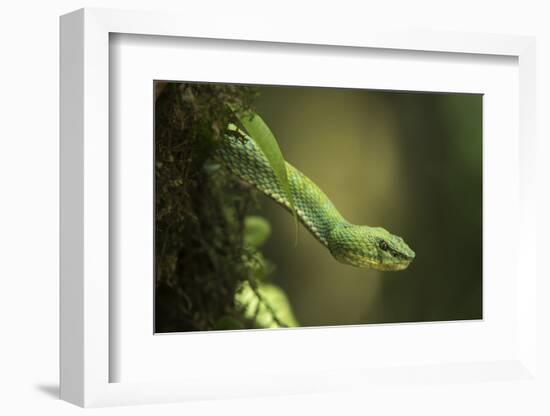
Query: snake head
point(370, 247)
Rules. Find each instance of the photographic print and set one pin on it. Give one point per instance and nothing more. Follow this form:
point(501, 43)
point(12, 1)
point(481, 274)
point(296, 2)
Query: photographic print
point(294, 206)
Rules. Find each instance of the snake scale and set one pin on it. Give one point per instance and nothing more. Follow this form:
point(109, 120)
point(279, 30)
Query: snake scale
point(356, 245)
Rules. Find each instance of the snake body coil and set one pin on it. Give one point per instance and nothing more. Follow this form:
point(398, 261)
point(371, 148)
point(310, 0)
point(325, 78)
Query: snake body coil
point(356, 245)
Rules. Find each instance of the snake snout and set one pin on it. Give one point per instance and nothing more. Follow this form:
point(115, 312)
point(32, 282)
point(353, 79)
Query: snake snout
point(409, 254)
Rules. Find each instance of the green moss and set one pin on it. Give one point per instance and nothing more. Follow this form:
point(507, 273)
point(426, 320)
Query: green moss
point(200, 209)
point(210, 273)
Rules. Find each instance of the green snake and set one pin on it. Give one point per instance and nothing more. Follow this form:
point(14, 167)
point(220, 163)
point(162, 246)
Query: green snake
point(356, 245)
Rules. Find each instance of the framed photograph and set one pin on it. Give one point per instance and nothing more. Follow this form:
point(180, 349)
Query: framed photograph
point(276, 213)
point(363, 148)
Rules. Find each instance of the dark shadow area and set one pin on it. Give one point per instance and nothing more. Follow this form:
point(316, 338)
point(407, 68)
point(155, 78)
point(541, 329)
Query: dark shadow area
point(51, 390)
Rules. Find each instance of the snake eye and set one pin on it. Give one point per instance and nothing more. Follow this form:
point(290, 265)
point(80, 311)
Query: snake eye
point(383, 245)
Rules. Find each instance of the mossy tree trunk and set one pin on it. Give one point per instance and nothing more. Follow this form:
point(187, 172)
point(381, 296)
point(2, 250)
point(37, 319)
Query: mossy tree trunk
point(199, 208)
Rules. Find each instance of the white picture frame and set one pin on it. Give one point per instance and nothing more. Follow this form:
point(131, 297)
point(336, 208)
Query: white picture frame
point(86, 355)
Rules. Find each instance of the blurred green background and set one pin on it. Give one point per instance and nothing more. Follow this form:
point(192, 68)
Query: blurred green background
point(409, 162)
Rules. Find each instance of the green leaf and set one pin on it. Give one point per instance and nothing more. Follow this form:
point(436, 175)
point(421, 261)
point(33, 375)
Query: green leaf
point(256, 230)
point(278, 300)
point(273, 301)
point(258, 131)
